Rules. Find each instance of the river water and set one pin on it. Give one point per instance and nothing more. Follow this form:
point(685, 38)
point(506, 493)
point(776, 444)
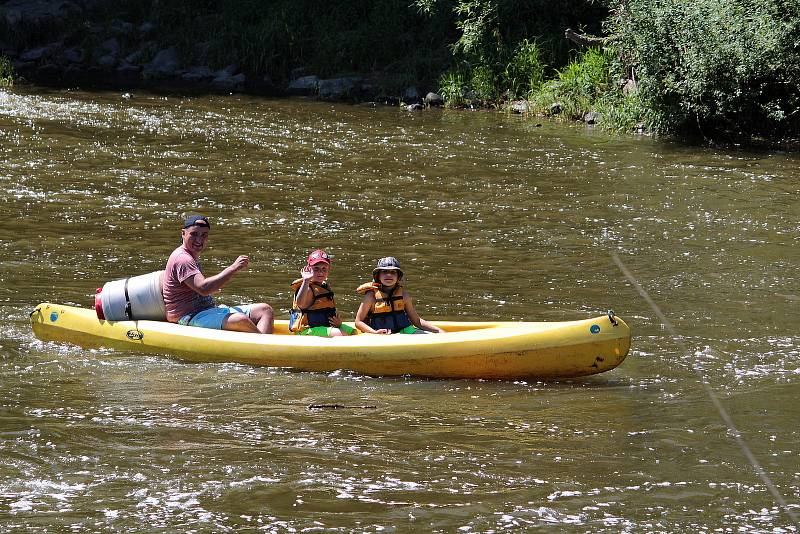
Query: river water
point(493, 217)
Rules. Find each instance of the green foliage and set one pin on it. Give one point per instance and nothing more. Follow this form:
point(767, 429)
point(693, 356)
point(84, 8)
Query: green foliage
point(579, 87)
point(468, 86)
point(451, 87)
point(6, 72)
point(476, 22)
point(489, 29)
point(482, 84)
point(524, 73)
point(621, 112)
point(717, 67)
point(516, 78)
point(507, 44)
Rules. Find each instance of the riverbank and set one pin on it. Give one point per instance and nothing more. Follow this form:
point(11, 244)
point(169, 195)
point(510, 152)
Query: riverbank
point(386, 52)
point(92, 44)
point(727, 77)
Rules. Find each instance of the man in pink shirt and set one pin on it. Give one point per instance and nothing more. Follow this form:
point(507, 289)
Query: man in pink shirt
point(187, 292)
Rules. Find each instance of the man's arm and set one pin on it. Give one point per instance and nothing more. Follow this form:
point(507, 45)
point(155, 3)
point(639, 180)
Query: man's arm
point(209, 285)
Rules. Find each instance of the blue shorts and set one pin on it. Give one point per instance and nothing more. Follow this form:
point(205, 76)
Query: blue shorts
point(213, 317)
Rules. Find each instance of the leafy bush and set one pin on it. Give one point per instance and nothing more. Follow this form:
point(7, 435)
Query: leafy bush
point(506, 44)
point(578, 87)
point(717, 67)
point(482, 84)
point(621, 112)
point(6, 72)
point(524, 73)
point(451, 87)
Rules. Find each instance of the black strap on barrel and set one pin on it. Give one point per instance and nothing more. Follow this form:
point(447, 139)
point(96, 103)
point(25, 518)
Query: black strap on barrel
point(612, 318)
point(128, 310)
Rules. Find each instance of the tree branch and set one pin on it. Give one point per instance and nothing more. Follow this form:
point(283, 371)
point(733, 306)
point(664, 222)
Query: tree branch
point(583, 39)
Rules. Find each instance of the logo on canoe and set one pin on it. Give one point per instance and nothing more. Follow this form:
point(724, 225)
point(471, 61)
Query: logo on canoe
point(135, 335)
point(53, 317)
point(595, 329)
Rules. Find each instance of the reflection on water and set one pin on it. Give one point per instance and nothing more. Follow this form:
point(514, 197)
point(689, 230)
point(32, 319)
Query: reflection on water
point(493, 218)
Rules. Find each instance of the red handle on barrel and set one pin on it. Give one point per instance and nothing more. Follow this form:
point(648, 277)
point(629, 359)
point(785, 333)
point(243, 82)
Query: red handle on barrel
point(98, 304)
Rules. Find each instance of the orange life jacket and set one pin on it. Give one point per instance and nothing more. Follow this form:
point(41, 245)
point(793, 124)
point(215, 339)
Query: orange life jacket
point(322, 307)
point(389, 308)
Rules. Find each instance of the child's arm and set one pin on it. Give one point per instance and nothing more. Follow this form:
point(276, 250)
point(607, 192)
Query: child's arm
point(361, 315)
point(305, 297)
point(336, 322)
point(416, 320)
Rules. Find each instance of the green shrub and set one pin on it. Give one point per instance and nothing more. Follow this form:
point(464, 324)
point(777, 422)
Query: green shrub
point(717, 67)
point(482, 86)
point(6, 72)
point(506, 44)
point(468, 86)
point(451, 88)
point(524, 73)
point(579, 86)
point(621, 112)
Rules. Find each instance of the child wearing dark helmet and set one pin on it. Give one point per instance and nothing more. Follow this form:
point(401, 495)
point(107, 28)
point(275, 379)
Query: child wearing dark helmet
point(387, 307)
point(313, 308)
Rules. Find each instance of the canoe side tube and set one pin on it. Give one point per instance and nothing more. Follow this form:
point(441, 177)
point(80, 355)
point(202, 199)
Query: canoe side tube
point(492, 350)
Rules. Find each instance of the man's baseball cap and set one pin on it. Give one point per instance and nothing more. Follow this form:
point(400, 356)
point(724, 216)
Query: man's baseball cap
point(318, 256)
point(196, 220)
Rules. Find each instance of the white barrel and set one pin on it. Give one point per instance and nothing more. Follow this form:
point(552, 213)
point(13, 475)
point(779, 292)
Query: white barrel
point(144, 295)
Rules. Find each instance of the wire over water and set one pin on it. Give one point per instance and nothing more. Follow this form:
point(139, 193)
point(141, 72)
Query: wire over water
point(723, 413)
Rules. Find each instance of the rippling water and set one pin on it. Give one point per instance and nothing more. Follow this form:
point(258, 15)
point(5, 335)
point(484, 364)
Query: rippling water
point(493, 217)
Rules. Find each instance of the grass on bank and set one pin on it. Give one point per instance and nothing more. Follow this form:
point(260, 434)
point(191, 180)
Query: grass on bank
point(590, 83)
point(587, 83)
point(521, 71)
point(577, 87)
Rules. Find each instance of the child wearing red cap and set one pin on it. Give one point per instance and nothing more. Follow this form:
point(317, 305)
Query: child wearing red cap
point(313, 308)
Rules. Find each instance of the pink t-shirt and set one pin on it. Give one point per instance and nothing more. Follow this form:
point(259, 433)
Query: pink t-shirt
point(179, 298)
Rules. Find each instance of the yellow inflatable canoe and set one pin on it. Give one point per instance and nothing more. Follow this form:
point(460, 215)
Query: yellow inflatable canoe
point(494, 350)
